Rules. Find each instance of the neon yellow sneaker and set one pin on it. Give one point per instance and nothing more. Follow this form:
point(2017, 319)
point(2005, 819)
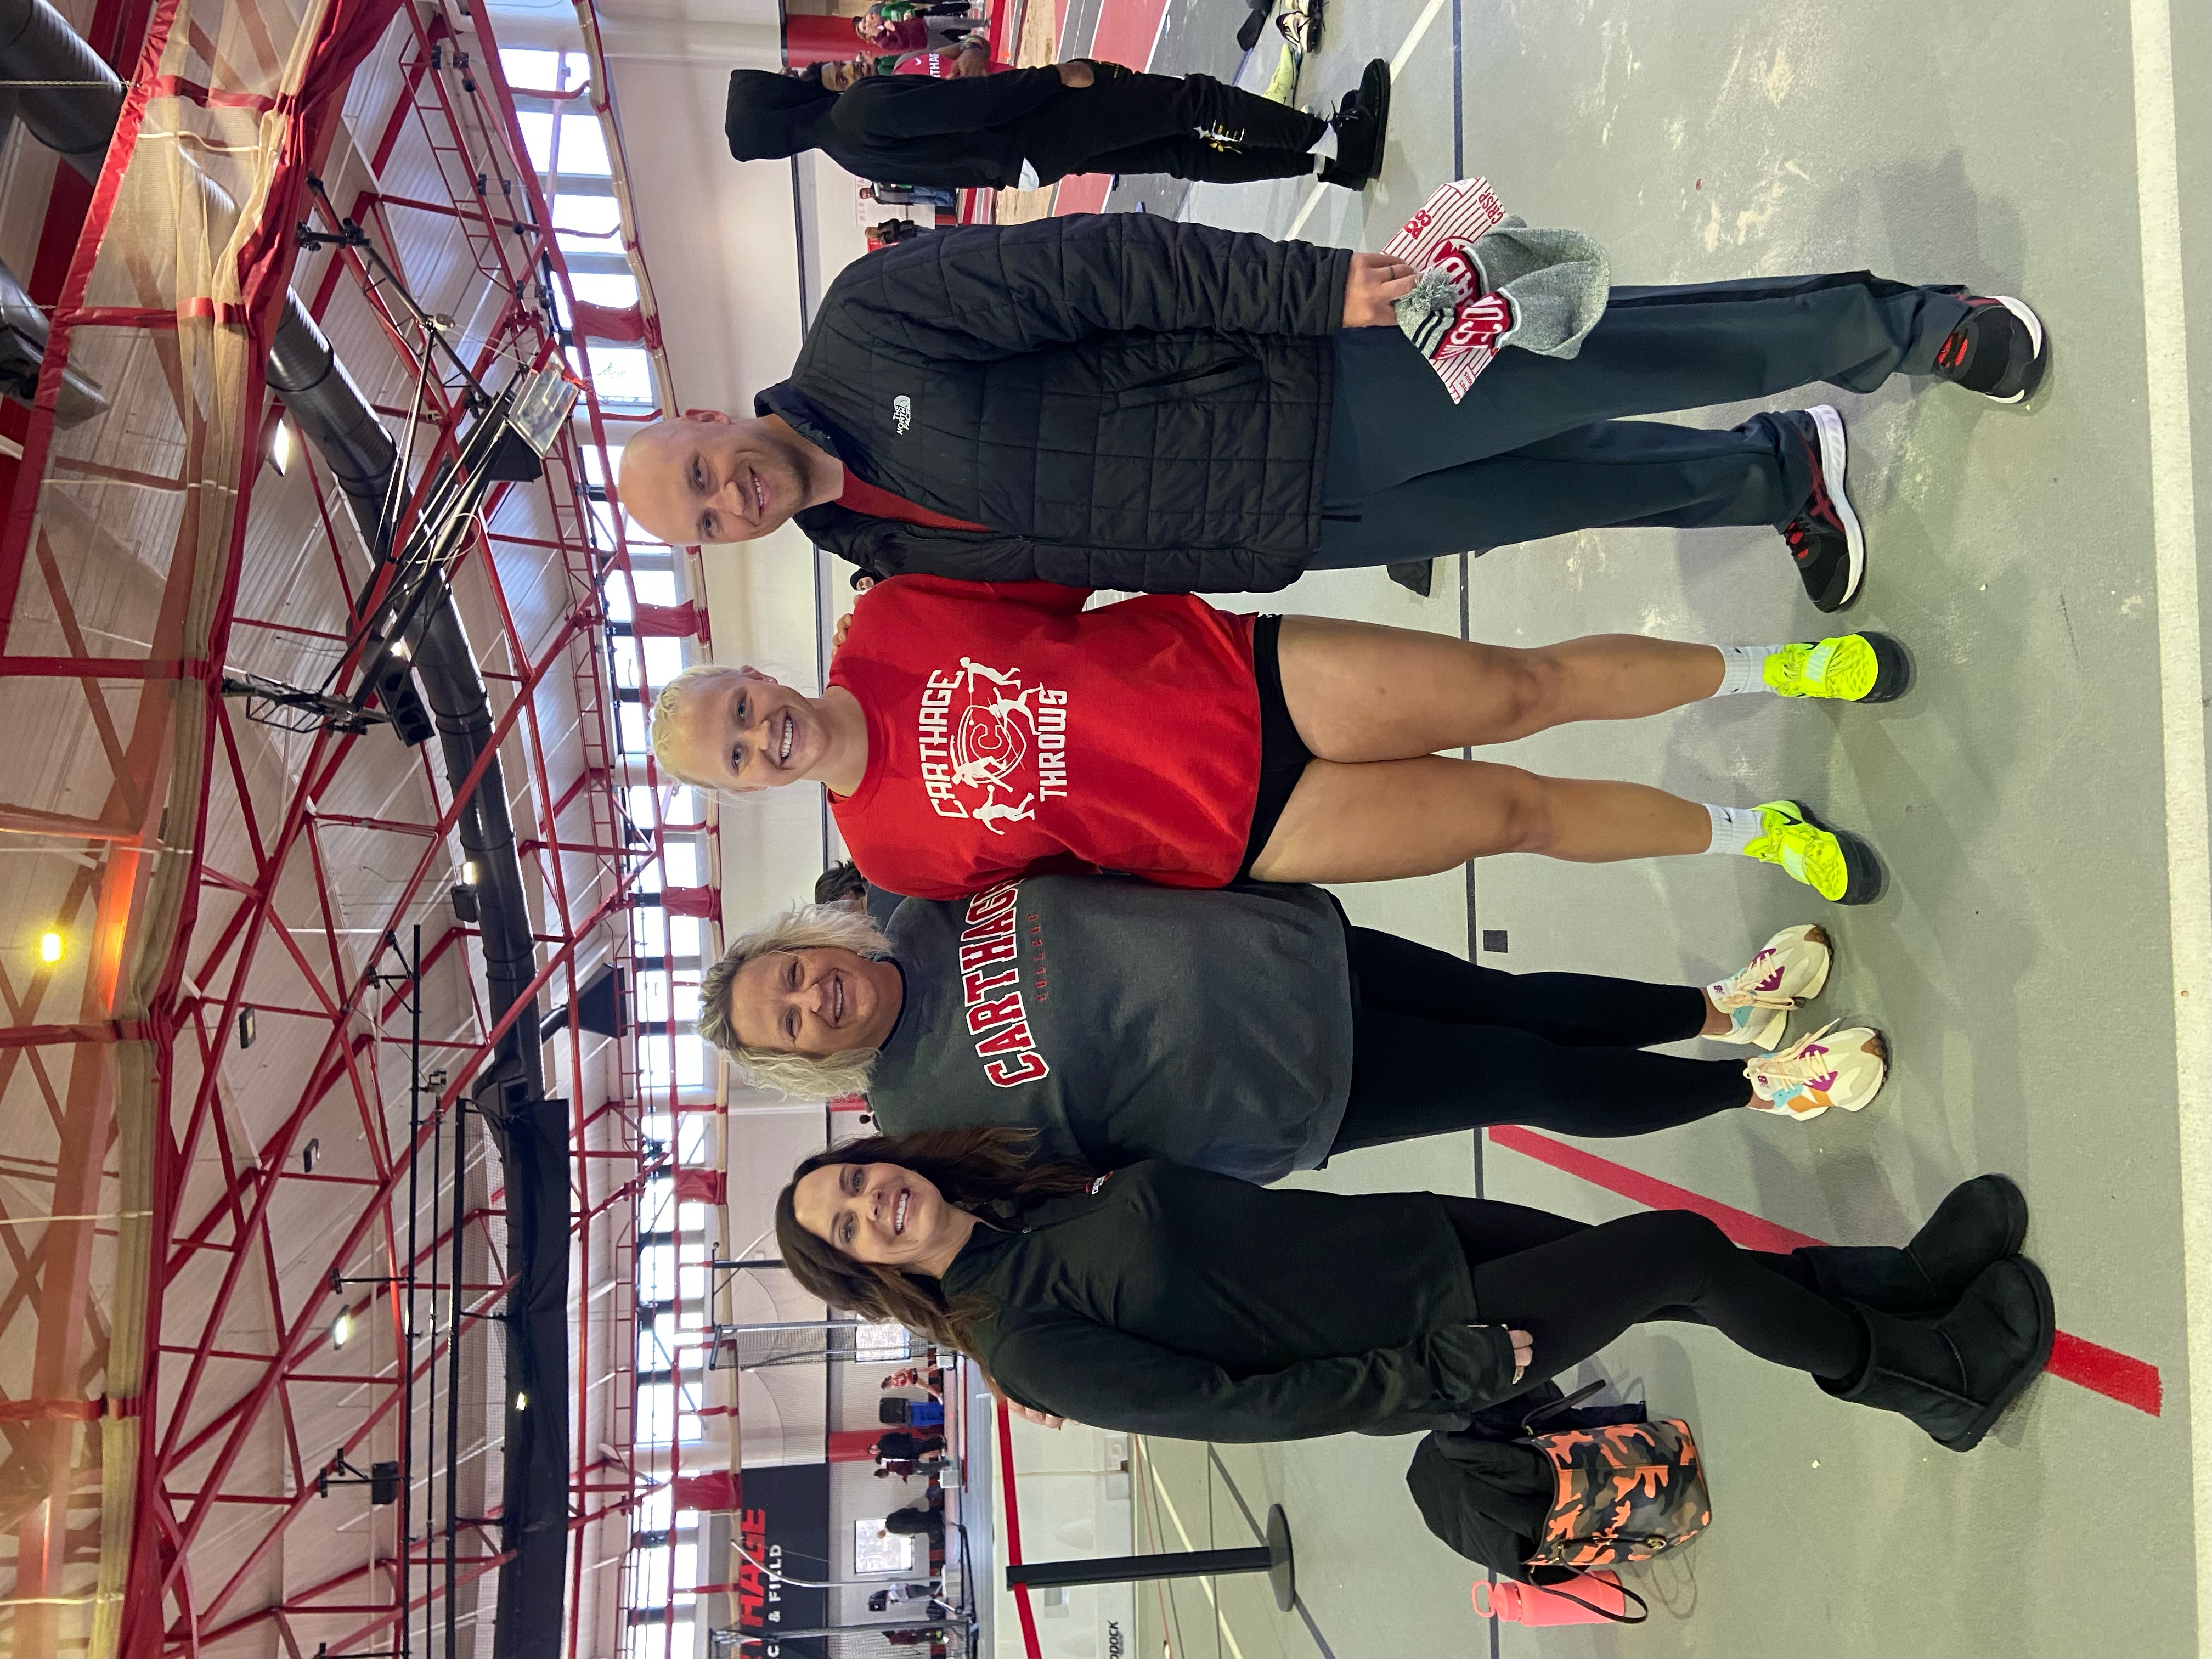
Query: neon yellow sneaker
point(1849, 668)
point(1834, 863)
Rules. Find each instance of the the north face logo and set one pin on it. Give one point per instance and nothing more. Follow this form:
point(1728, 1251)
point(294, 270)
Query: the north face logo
point(902, 411)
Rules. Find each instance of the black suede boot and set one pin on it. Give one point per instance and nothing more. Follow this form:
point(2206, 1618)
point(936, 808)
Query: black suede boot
point(1954, 1375)
point(1978, 1222)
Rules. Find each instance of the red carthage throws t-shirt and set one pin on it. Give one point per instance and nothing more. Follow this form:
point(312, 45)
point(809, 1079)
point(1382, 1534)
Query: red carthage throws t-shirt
point(1009, 729)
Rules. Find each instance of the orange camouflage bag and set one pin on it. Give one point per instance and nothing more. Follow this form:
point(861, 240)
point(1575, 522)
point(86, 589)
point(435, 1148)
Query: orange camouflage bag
point(1624, 1491)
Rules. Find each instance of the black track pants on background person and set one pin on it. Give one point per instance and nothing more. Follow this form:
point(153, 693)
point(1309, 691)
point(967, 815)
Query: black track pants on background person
point(1575, 1287)
point(1192, 126)
point(1441, 1044)
point(1538, 446)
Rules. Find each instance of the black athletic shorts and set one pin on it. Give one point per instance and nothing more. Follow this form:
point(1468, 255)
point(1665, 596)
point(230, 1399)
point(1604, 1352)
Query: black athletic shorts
point(1282, 753)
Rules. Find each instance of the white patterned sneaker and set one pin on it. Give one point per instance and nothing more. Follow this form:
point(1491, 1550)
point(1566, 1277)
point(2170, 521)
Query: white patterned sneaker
point(1789, 969)
point(1828, 1068)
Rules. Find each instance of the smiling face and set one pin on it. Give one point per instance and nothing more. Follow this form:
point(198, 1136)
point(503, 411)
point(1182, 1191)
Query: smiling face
point(836, 76)
point(877, 1212)
point(817, 1003)
point(709, 478)
point(744, 730)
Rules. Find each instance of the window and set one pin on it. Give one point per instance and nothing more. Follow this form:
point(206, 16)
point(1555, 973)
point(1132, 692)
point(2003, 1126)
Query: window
point(662, 1417)
point(586, 223)
point(537, 136)
point(530, 70)
point(875, 1550)
point(873, 1342)
point(686, 942)
point(653, 1060)
point(604, 287)
point(621, 374)
point(681, 862)
point(664, 661)
point(583, 147)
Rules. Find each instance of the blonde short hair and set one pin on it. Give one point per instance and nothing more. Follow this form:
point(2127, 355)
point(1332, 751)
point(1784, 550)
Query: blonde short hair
point(802, 927)
point(668, 709)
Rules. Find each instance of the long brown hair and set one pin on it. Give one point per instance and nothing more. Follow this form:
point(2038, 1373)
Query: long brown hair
point(969, 1167)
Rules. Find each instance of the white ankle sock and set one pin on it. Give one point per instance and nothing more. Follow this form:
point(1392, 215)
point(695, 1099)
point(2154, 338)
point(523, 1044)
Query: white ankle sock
point(1743, 668)
point(1324, 146)
point(1735, 827)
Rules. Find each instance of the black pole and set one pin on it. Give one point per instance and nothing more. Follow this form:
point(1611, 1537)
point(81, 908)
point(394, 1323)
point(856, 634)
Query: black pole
point(430, 1386)
point(797, 1634)
point(407, 1325)
point(454, 1381)
point(1272, 1557)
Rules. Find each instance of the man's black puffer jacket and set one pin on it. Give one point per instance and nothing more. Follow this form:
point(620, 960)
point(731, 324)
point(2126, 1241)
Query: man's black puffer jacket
point(1127, 401)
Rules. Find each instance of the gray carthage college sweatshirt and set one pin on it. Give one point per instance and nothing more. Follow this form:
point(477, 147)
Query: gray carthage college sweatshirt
point(1125, 1021)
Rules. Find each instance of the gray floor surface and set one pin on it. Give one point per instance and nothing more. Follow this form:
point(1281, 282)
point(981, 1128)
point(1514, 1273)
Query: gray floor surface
point(2021, 964)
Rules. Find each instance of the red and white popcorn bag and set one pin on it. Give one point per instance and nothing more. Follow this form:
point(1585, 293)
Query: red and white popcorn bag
point(1447, 316)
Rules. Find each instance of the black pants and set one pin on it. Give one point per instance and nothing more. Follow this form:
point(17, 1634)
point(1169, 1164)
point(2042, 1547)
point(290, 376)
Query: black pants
point(1191, 126)
point(1537, 447)
point(1574, 1287)
point(1439, 1044)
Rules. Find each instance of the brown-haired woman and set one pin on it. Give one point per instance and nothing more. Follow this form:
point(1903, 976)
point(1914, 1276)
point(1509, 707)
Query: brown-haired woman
point(1160, 1299)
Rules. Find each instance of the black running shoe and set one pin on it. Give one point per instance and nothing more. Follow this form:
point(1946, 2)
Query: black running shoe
point(1996, 350)
point(1825, 539)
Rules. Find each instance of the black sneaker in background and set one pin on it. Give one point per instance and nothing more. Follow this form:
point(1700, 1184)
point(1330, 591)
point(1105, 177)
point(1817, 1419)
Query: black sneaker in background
point(1825, 540)
point(1361, 124)
point(1248, 32)
point(1996, 350)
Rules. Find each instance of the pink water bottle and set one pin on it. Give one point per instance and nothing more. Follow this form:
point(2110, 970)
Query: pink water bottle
point(1532, 1604)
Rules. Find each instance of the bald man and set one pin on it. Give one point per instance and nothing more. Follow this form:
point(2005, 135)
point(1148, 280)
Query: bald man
point(1126, 401)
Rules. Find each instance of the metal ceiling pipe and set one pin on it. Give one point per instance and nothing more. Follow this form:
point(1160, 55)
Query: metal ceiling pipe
point(327, 407)
point(37, 43)
point(23, 350)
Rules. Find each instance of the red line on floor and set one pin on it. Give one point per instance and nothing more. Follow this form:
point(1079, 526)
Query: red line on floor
point(1014, 1532)
point(2100, 1370)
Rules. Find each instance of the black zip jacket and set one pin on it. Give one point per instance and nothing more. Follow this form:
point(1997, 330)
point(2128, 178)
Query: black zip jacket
point(1173, 1301)
point(1128, 402)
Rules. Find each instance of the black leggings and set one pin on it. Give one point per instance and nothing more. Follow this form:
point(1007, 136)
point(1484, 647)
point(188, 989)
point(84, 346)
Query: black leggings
point(1191, 126)
point(1574, 1287)
point(1440, 1044)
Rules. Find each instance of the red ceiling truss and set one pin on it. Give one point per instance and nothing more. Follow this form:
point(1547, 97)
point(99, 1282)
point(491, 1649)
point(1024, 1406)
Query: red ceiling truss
point(210, 1098)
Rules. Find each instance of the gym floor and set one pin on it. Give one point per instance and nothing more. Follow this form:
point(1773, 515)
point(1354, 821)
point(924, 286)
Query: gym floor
point(2038, 800)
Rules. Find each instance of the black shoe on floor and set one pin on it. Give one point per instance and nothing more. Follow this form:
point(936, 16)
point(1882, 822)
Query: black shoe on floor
point(1997, 350)
point(1825, 539)
point(1362, 125)
point(1248, 33)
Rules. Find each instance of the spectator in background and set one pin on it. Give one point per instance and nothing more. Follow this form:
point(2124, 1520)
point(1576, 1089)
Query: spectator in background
point(912, 1377)
point(917, 1520)
point(1029, 127)
point(843, 885)
point(898, 1444)
point(902, 26)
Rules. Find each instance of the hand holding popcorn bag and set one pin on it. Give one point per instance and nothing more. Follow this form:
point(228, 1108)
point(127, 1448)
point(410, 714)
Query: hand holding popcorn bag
point(1488, 280)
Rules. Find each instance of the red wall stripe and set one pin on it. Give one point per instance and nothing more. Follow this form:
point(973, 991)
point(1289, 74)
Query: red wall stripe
point(2100, 1370)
